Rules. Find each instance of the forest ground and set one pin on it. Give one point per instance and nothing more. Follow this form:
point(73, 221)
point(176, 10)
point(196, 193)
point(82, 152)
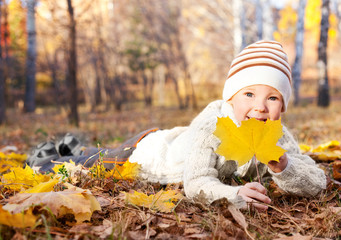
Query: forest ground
point(288, 217)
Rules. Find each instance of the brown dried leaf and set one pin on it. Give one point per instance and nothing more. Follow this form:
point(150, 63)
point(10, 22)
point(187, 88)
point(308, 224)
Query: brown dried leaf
point(337, 170)
point(103, 231)
point(295, 236)
point(79, 202)
point(238, 216)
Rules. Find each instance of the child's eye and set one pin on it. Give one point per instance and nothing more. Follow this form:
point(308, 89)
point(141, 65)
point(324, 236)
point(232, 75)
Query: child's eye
point(248, 94)
point(273, 98)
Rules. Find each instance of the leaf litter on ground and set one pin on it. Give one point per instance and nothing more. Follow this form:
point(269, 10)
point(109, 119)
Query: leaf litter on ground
point(289, 217)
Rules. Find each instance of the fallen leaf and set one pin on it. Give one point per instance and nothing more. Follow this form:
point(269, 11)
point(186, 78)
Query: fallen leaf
point(11, 160)
point(43, 187)
point(286, 226)
point(127, 171)
point(329, 151)
point(103, 202)
point(6, 165)
point(295, 236)
point(103, 231)
point(70, 171)
point(79, 202)
point(23, 178)
point(327, 146)
point(336, 210)
point(337, 170)
point(162, 201)
point(238, 216)
point(305, 148)
point(13, 156)
point(326, 156)
point(193, 231)
point(20, 220)
point(252, 138)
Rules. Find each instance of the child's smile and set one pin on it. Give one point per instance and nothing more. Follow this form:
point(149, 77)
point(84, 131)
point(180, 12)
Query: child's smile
point(261, 102)
point(259, 119)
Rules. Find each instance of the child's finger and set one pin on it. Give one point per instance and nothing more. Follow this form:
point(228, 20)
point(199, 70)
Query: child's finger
point(256, 186)
point(249, 193)
point(255, 195)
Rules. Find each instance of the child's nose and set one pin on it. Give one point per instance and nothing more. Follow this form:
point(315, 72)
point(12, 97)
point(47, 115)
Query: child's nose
point(260, 106)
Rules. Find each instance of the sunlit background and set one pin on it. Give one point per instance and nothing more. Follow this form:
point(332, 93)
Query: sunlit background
point(136, 53)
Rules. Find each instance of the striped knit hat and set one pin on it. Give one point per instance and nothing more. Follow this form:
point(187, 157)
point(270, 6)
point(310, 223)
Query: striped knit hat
point(263, 62)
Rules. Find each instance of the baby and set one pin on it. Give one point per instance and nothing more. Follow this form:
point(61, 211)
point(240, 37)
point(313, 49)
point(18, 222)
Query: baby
point(258, 86)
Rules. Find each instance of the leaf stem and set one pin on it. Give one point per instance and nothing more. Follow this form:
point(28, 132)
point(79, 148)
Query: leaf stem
point(258, 176)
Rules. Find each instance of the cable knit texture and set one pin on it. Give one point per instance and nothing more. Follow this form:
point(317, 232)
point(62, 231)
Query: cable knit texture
point(188, 154)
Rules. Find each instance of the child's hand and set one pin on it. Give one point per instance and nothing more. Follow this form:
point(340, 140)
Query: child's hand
point(255, 194)
point(279, 166)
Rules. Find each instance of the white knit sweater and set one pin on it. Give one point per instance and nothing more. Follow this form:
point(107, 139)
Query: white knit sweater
point(188, 154)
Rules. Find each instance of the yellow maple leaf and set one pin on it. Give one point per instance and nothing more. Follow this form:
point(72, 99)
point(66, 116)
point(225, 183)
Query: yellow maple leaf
point(252, 138)
point(43, 186)
point(326, 146)
point(13, 156)
point(79, 202)
point(7, 164)
point(11, 160)
point(305, 148)
point(162, 201)
point(19, 220)
point(23, 178)
point(127, 171)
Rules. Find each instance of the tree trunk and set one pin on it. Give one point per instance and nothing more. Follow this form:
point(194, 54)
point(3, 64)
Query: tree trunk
point(72, 68)
point(238, 33)
point(323, 85)
point(169, 75)
point(297, 68)
point(54, 66)
point(259, 19)
point(2, 77)
point(147, 88)
point(29, 103)
point(97, 97)
point(104, 79)
point(268, 20)
point(119, 91)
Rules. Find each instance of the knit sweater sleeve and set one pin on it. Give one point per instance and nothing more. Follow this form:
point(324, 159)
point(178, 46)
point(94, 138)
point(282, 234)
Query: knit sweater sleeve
point(200, 173)
point(301, 176)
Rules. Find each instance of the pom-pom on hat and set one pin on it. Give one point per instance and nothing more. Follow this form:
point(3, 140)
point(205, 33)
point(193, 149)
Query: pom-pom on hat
point(263, 62)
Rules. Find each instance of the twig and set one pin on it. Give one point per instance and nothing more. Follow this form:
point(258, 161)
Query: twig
point(248, 234)
point(288, 216)
point(51, 232)
point(258, 176)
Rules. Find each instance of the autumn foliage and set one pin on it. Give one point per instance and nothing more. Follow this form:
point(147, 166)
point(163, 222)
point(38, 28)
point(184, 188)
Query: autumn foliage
point(117, 205)
point(252, 138)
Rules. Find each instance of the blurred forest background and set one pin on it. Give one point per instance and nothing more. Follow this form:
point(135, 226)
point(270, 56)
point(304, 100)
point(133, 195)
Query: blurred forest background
point(112, 55)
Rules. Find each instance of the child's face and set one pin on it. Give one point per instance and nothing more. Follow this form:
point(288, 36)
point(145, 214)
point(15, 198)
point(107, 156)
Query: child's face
point(261, 102)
